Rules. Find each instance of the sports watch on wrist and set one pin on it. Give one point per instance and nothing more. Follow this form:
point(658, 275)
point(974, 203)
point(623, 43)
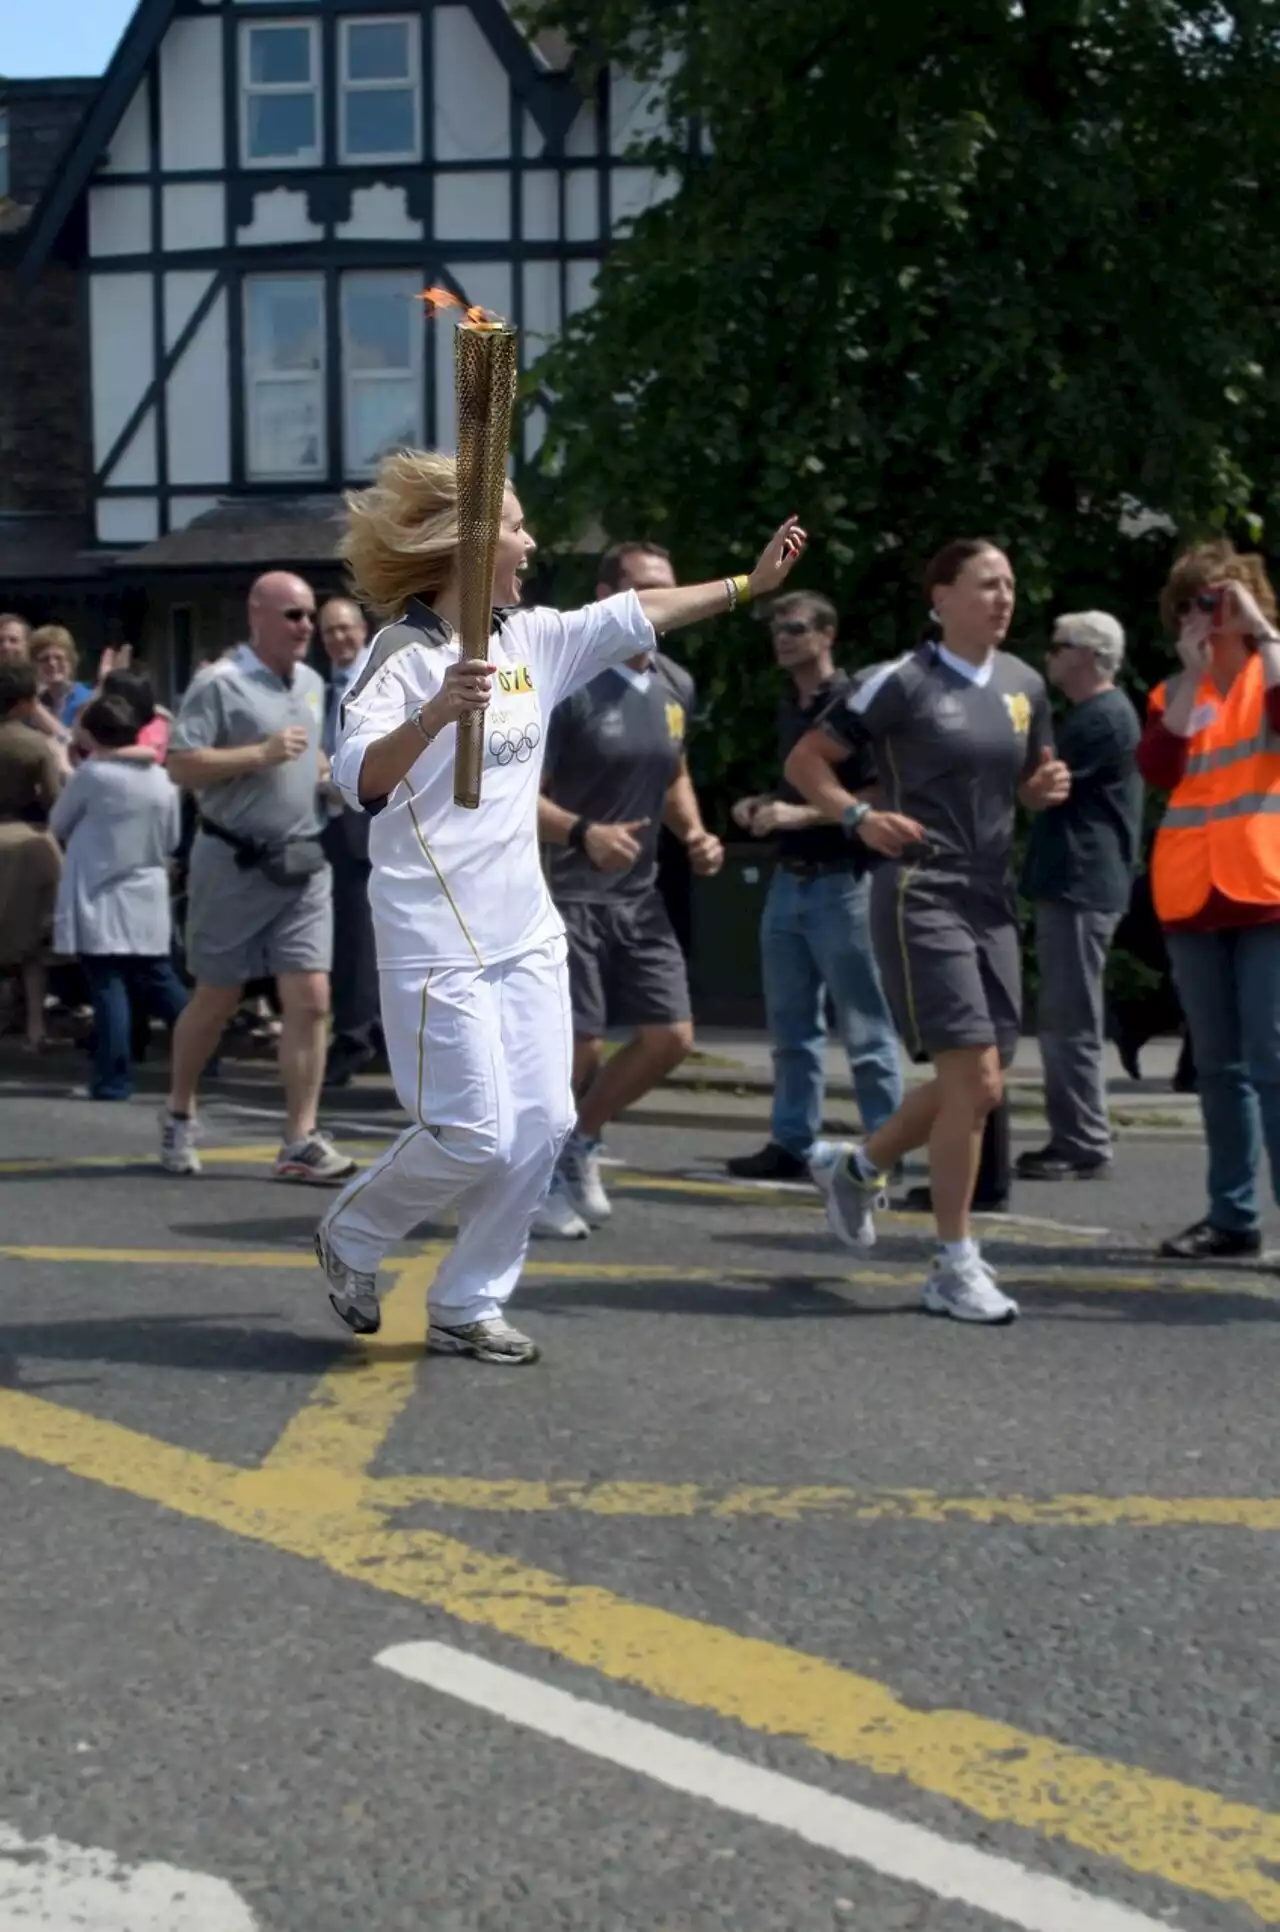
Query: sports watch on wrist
point(853, 817)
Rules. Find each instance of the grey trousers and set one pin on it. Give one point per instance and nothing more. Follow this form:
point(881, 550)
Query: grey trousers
point(1071, 951)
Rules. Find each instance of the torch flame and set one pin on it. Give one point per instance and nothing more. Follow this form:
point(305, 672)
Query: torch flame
point(472, 318)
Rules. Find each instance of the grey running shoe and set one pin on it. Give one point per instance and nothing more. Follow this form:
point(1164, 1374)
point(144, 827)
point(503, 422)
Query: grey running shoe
point(579, 1169)
point(315, 1160)
point(178, 1144)
point(851, 1201)
point(353, 1294)
point(967, 1292)
point(494, 1340)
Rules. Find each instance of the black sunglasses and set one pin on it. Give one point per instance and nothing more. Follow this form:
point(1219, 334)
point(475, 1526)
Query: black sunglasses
point(790, 627)
point(296, 614)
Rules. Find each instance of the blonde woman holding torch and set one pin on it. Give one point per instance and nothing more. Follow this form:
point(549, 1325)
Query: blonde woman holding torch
point(471, 952)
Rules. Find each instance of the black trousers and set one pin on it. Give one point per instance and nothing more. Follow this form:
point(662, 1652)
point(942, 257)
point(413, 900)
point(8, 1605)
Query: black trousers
point(995, 1169)
point(354, 977)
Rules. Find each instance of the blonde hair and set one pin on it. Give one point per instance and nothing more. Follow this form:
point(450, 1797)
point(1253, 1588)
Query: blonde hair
point(402, 532)
point(1206, 564)
point(55, 637)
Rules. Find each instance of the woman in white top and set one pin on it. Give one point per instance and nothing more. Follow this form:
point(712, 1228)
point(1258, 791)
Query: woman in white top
point(471, 951)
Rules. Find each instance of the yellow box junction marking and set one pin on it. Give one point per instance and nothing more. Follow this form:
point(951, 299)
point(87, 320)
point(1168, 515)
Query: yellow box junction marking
point(313, 1498)
point(1155, 1825)
point(780, 1504)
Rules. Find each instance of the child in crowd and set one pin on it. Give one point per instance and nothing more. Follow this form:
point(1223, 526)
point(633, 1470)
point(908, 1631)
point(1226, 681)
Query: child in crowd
point(119, 821)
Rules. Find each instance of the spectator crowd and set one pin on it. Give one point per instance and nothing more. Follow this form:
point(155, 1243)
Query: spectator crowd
point(192, 867)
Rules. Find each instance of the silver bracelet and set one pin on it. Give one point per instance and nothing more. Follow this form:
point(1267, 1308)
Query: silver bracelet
point(428, 737)
point(731, 587)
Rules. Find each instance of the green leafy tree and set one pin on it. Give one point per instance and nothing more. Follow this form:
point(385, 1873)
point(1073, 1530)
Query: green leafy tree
point(1007, 267)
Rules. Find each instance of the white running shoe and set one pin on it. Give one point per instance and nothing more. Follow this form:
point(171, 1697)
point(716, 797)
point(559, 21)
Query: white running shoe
point(178, 1144)
point(966, 1290)
point(558, 1219)
point(851, 1201)
point(579, 1168)
point(353, 1294)
point(315, 1160)
point(494, 1340)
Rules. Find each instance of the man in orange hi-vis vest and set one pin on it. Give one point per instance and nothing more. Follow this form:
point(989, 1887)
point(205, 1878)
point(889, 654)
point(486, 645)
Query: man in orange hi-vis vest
point(1212, 740)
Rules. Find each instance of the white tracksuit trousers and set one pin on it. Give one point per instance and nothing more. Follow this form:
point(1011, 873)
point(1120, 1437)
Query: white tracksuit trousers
point(482, 1060)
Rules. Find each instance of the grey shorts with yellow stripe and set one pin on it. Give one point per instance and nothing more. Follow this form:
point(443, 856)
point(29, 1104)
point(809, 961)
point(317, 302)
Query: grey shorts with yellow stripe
point(950, 962)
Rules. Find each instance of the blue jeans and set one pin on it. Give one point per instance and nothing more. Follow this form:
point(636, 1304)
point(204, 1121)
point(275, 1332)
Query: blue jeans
point(815, 933)
point(115, 979)
point(1229, 985)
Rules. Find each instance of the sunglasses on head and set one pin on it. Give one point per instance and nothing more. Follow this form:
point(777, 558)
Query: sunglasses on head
point(296, 613)
point(790, 627)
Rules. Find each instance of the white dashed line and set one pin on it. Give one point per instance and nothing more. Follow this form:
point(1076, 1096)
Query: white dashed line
point(900, 1850)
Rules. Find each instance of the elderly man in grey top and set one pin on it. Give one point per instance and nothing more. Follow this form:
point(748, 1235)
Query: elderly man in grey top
point(248, 743)
point(1079, 871)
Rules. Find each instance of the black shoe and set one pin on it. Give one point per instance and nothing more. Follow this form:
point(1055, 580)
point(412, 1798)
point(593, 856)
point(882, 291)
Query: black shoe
point(1049, 1165)
point(344, 1061)
point(772, 1163)
point(1128, 1049)
point(1204, 1242)
point(919, 1200)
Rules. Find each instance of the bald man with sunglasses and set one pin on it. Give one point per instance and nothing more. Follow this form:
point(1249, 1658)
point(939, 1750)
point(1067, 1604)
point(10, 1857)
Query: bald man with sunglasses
point(247, 742)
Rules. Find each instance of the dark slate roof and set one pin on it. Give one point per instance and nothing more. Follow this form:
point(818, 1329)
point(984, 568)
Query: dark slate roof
point(35, 549)
point(552, 98)
point(248, 533)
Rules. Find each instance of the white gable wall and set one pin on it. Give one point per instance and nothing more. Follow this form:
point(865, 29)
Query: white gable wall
point(489, 204)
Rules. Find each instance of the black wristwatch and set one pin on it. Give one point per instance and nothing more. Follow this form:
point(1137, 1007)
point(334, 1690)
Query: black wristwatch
point(576, 839)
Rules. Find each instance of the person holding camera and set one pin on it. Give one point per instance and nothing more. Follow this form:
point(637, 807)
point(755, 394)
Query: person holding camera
point(1212, 740)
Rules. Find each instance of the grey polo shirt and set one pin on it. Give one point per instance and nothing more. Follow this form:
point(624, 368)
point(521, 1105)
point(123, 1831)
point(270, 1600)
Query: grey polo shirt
point(951, 750)
point(613, 752)
point(241, 705)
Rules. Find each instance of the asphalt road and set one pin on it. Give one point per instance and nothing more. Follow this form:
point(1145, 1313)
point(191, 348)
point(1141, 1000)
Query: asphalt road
point(1016, 1588)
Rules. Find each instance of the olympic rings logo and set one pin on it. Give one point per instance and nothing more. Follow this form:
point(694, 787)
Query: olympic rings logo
point(514, 747)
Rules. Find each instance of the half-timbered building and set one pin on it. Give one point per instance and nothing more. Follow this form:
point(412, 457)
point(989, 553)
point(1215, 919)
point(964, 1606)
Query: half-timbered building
point(254, 197)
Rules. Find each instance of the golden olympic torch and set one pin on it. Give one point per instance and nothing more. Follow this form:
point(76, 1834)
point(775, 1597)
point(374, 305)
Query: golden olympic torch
point(485, 368)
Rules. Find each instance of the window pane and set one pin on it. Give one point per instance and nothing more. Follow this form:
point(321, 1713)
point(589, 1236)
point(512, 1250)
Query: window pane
point(285, 325)
point(281, 125)
point(381, 415)
point(279, 55)
point(383, 321)
point(286, 428)
point(381, 122)
point(378, 50)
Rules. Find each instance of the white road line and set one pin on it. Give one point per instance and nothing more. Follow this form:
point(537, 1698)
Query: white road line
point(47, 1883)
point(1032, 1900)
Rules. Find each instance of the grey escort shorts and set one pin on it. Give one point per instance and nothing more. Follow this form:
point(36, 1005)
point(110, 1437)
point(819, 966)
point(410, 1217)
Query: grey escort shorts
point(950, 961)
point(625, 964)
point(241, 927)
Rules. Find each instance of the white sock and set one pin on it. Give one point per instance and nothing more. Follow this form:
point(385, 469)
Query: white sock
point(865, 1169)
point(966, 1250)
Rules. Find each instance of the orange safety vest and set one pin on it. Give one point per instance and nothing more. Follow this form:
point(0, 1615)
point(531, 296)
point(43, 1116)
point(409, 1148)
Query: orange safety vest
point(1222, 828)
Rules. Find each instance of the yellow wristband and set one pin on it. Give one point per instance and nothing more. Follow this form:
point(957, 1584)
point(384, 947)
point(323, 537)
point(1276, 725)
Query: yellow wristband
point(743, 587)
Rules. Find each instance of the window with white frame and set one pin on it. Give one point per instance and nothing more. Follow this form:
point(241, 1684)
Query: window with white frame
point(382, 367)
point(381, 94)
point(284, 352)
point(279, 93)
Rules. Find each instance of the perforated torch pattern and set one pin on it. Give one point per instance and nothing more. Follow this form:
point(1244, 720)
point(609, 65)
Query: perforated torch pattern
point(485, 364)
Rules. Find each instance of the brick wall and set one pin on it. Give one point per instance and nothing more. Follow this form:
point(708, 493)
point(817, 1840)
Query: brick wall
point(44, 386)
point(44, 393)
